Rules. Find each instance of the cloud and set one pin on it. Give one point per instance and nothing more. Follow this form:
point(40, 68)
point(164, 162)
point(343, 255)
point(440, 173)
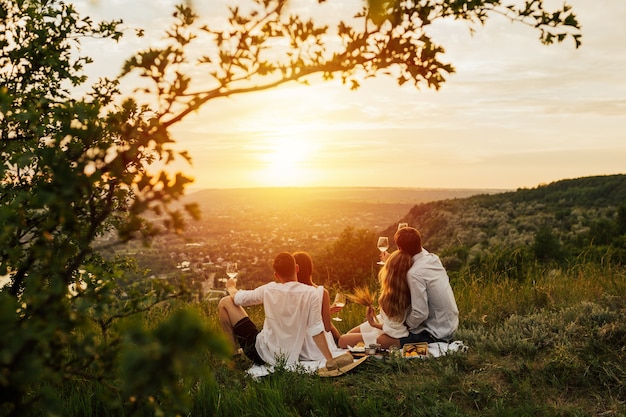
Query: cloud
point(516, 113)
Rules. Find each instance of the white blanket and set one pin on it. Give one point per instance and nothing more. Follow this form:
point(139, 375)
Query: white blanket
point(311, 367)
point(435, 350)
point(441, 348)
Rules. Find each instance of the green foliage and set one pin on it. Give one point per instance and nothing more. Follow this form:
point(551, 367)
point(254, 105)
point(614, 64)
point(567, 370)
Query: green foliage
point(546, 246)
point(551, 226)
point(72, 169)
point(350, 261)
point(159, 366)
point(251, 54)
point(501, 263)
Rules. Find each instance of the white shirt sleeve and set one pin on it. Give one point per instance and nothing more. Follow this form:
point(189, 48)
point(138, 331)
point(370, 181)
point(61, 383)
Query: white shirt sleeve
point(250, 297)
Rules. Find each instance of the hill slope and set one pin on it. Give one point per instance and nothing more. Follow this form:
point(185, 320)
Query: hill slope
point(574, 213)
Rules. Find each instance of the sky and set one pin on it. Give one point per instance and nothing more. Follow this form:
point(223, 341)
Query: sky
point(515, 114)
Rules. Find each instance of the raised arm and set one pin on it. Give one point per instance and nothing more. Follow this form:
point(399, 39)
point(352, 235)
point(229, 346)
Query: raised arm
point(326, 316)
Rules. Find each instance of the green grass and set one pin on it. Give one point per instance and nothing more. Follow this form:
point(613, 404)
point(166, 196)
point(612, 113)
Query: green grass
point(553, 344)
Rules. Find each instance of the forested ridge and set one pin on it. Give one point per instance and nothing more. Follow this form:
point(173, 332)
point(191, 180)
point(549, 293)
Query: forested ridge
point(596, 191)
point(554, 223)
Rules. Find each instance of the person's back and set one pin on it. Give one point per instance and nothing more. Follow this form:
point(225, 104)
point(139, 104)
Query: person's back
point(434, 306)
point(292, 312)
point(287, 323)
point(434, 315)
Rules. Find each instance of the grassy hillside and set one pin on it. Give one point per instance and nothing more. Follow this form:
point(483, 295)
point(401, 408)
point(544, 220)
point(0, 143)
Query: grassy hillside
point(552, 347)
point(540, 286)
point(546, 335)
point(557, 222)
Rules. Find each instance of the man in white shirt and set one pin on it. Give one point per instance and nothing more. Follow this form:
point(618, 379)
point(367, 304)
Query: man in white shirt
point(434, 316)
point(292, 310)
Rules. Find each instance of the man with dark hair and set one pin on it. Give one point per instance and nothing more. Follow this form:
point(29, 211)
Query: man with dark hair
point(434, 315)
point(292, 311)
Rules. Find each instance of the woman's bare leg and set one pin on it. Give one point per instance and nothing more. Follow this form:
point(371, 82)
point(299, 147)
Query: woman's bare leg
point(349, 339)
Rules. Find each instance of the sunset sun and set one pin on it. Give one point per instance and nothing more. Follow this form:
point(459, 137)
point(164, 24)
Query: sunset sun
point(287, 158)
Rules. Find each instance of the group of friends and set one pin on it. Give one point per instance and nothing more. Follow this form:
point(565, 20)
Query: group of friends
point(416, 304)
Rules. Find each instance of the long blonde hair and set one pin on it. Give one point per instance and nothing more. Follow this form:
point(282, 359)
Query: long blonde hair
point(395, 296)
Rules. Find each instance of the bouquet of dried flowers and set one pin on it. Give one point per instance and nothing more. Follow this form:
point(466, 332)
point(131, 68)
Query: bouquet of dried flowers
point(363, 296)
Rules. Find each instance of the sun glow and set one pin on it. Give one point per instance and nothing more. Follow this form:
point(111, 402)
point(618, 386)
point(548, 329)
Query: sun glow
point(287, 157)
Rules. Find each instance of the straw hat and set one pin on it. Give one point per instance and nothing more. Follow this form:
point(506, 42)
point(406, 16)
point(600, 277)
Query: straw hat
point(340, 365)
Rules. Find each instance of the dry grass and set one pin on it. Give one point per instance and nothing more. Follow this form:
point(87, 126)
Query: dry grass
point(363, 296)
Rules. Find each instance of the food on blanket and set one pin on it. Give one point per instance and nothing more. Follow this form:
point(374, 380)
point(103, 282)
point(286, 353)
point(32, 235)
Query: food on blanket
point(363, 296)
point(359, 348)
point(412, 350)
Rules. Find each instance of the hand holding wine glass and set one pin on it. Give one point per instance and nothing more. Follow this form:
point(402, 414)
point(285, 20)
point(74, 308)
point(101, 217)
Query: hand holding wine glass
point(231, 270)
point(383, 245)
point(340, 302)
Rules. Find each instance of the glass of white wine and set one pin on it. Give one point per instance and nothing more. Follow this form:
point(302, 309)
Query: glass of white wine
point(402, 225)
point(383, 245)
point(340, 301)
point(231, 270)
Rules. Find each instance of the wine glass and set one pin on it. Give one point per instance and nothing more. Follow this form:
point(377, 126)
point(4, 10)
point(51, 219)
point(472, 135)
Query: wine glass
point(340, 301)
point(383, 245)
point(231, 270)
point(402, 225)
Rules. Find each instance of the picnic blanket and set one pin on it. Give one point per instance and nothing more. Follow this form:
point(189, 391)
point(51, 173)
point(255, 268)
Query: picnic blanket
point(311, 367)
point(441, 348)
point(435, 350)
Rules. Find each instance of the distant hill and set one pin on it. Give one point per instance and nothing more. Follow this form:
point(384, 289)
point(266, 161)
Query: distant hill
point(295, 196)
point(362, 207)
point(580, 213)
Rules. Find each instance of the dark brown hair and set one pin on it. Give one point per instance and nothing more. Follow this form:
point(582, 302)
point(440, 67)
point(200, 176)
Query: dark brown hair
point(305, 267)
point(409, 240)
point(284, 265)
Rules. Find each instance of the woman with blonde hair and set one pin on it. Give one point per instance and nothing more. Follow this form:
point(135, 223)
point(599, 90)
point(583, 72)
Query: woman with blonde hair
point(394, 303)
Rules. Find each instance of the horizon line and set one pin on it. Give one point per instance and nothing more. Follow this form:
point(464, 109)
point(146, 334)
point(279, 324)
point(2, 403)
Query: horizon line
point(377, 187)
